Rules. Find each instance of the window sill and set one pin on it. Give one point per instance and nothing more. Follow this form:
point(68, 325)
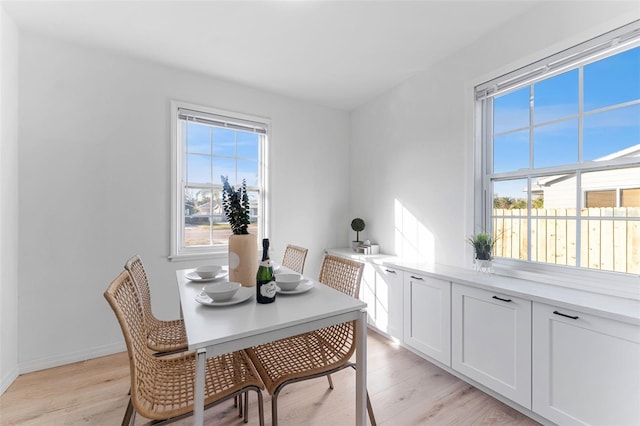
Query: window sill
point(198, 256)
point(603, 282)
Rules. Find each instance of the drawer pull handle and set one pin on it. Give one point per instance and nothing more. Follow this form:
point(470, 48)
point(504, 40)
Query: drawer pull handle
point(500, 298)
point(565, 315)
point(391, 271)
point(417, 278)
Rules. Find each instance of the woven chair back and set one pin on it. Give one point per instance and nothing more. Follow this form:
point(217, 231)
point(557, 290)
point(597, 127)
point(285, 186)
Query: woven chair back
point(124, 299)
point(139, 275)
point(294, 258)
point(342, 274)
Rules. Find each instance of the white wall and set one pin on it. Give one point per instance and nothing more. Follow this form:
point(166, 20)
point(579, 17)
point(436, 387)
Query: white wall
point(8, 201)
point(95, 186)
point(412, 149)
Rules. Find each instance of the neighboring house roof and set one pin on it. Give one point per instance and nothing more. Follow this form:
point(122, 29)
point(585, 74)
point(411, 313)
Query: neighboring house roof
point(205, 209)
point(632, 151)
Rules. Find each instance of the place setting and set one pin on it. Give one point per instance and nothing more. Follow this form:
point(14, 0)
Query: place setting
point(292, 283)
point(224, 293)
point(206, 273)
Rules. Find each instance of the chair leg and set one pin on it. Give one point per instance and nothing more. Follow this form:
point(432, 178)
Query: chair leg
point(246, 407)
point(129, 412)
point(240, 408)
point(330, 381)
point(260, 408)
point(274, 409)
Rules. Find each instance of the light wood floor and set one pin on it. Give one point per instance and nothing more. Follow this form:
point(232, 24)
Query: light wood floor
point(404, 390)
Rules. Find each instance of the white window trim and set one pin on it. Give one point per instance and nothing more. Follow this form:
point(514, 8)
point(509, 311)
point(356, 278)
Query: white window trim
point(603, 282)
point(177, 162)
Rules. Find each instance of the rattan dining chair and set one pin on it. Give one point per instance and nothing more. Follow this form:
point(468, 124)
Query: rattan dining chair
point(294, 258)
point(162, 388)
point(163, 336)
point(317, 353)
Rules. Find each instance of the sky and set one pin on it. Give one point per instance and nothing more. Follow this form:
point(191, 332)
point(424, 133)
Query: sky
point(610, 121)
point(206, 161)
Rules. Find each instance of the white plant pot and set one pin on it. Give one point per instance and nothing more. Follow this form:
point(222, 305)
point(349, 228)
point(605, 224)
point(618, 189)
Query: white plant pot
point(484, 265)
point(243, 259)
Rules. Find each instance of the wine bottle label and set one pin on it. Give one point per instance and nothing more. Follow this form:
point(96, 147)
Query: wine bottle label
point(268, 289)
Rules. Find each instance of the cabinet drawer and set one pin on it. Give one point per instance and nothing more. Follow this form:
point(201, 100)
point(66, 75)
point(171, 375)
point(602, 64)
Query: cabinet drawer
point(586, 369)
point(427, 319)
point(388, 301)
point(491, 340)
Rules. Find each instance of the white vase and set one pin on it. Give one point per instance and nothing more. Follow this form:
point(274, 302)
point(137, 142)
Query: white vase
point(243, 259)
point(484, 265)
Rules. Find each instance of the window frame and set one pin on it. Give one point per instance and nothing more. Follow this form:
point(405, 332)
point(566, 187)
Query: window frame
point(178, 250)
point(606, 282)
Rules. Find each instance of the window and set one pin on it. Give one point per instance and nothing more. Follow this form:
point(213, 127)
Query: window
point(630, 197)
point(208, 144)
point(626, 197)
point(560, 158)
point(600, 199)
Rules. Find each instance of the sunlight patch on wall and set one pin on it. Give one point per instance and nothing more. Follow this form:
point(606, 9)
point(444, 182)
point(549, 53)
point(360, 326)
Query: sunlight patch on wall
point(413, 241)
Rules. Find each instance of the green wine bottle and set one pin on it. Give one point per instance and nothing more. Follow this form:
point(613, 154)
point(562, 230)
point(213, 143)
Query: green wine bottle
point(266, 284)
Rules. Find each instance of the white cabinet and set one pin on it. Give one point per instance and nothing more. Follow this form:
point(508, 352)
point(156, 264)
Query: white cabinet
point(427, 316)
point(586, 369)
point(387, 307)
point(368, 291)
point(566, 366)
point(491, 340)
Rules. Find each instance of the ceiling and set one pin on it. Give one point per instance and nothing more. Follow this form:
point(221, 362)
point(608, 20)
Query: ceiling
point(335, 53)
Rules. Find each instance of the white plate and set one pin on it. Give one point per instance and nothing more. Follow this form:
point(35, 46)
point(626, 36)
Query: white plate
point(192, 276)
point(243, 294)
point(303, 287)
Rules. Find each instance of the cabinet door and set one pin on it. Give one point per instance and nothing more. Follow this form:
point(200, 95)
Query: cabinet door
point(586, 368)
point(427, 316)
point(368, 291)
point(491, 340)
point(388, 301)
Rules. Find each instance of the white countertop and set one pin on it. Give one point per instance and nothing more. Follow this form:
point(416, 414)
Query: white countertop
point(617, 308)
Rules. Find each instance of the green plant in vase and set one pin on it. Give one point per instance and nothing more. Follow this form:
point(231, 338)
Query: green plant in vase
point(243, 246)
point(483, 245)
point(235, 204)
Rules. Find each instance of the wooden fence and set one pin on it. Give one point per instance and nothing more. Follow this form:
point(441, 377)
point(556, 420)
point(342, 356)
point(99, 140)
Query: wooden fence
point(609, 237)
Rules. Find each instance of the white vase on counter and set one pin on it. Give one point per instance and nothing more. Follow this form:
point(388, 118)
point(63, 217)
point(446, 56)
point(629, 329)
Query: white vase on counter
point(483, 265)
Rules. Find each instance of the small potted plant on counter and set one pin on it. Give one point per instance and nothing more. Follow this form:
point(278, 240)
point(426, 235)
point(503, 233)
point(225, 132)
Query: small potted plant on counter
point(357, 225)
point(483, 244)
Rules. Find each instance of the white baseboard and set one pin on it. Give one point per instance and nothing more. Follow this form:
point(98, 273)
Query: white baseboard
point(7, 379)
point(71, 357)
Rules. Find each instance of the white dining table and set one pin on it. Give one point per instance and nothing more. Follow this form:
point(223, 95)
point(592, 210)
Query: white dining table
point(216, 330)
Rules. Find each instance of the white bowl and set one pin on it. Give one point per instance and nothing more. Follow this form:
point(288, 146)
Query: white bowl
point(208, 271)
point(288, 282)
point(221, 291)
